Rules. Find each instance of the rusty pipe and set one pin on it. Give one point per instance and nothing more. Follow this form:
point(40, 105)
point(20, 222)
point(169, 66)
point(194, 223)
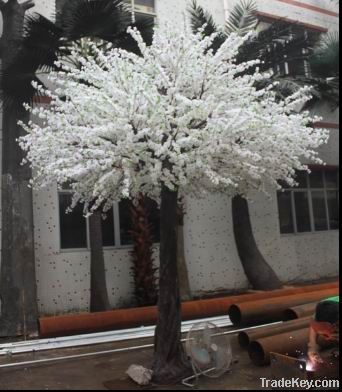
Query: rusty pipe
point(247, 336)
point(81, 323)
point(219, 306)
point(272, 309)
point(292, 343)
point(297, 312)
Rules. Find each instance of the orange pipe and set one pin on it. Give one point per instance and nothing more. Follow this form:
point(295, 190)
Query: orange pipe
point(272, 309)
point(248, 336)
point(292, 343)
point(81, 323)
point(300, 311)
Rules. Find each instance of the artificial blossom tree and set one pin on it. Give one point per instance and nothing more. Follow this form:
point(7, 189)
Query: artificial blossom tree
point(178, 120)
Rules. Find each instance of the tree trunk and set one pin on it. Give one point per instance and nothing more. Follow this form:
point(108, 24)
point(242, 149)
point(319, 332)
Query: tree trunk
point(18, 294)
point(19, 313)
point(144, 272)
point(99, 301)
point(170, 363)
point(260, 275)
point(184, 284)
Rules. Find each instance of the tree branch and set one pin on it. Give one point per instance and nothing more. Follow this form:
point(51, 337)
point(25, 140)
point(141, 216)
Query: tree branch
point(26, 5)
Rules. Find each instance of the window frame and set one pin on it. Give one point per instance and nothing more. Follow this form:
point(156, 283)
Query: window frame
point(267, 21)
point(117, 229)
point(131, 3)
point(69, 250)
point(309, 190)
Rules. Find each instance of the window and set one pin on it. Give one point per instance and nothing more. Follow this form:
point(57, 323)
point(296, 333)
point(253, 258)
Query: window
point(313, 206)
point(108, 236)
point(290, 49)
point(142, 6)
point(116, 227)
point(73, 225)
point(142, 9)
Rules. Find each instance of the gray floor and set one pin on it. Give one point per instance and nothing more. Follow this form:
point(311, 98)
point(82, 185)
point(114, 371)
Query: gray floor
point(108, 371)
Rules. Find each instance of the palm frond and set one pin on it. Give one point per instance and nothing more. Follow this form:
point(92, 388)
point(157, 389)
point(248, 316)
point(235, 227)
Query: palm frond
point(125, 41)
point(321, 89)
point(16, 85)
point(242, 18)
point(325, 61)
point(202, 19)
point(199, 18)
point(103, 19)
point(277, 44)
point(38, 51)
point(42, 41)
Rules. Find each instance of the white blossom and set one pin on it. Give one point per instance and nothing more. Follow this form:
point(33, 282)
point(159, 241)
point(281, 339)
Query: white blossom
point(179, 114)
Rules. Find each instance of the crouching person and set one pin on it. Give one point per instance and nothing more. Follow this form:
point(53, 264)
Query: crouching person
point(324, 329)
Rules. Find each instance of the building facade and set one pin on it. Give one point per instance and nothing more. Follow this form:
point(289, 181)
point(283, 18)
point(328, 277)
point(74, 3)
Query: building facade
point(297, 231)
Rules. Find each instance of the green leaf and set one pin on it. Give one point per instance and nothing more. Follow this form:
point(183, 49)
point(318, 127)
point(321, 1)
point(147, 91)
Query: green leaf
point(200, 18)
point(243, 18)
point(325, 62)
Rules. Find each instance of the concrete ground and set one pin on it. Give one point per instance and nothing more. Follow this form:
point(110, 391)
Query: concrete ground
point(108, 371)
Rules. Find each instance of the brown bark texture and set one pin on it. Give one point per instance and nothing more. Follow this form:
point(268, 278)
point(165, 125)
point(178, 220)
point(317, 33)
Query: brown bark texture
point(18, 294)
point(99, 301)
point(144, 271)
point(170, 362)
point(259, 273)
point(184, 283)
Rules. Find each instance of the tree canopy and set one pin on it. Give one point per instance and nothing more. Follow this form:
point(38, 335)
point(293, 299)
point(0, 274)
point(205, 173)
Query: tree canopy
point(179, 115)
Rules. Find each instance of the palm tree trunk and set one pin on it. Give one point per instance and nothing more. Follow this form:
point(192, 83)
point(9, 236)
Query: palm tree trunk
point(170, 363)
point(18, 294)
point(260, 275)
point(144, 272)
point(19, 313)
point(184, 283)
point(99, 301)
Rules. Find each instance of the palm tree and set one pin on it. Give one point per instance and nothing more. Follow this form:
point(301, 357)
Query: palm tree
point(143, 270)
point(279, 43)
point(17, 281)
point(325, 60)
point(242, 20)
point(271, 46)
point(42, 43)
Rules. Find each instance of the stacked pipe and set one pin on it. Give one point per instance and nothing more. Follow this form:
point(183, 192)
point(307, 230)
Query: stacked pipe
point(272, 309)
point(130, 318)
point(248, 336)
point(300, 311)
point(289, 337)
point(293, 343)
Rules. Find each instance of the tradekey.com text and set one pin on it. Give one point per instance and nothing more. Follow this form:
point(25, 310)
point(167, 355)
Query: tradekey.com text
point(299, 383)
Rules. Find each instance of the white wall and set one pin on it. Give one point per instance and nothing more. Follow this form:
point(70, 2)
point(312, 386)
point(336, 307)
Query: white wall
point(300, 10)
point(175, 11)
point(294, 257)
point(63, 278)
